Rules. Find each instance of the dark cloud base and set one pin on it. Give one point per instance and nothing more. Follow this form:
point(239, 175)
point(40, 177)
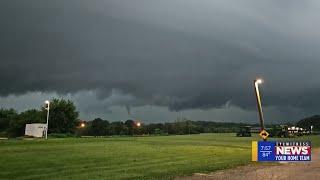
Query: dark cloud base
point(68, 46)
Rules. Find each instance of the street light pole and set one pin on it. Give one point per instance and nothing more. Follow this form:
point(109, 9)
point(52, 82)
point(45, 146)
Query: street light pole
point(258, 97)
point(48, 110)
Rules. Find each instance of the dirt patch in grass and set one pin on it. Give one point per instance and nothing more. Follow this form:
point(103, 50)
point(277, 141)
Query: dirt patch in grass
point(308, 170)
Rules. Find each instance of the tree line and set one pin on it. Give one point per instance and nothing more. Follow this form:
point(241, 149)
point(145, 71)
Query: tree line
point(64, 119)
point(313, 121)
point(99, 127)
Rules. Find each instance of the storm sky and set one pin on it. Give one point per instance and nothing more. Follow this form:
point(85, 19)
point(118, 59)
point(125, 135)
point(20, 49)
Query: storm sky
point(162, 59)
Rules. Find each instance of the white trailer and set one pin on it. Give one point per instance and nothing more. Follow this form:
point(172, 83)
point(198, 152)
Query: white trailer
point(36, 130)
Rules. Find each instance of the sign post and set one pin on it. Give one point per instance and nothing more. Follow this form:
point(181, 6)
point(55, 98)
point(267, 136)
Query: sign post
point(264, 134)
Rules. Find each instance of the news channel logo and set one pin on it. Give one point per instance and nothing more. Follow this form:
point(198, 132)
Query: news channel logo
point(292, 151)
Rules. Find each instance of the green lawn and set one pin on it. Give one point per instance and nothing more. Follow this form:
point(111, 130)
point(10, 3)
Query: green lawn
point(161, 157)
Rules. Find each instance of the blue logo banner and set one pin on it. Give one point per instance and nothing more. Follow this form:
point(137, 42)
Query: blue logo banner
point(283, 151)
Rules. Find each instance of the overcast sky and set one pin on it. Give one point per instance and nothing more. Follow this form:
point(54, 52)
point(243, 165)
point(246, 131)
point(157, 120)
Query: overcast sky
point(162, 58)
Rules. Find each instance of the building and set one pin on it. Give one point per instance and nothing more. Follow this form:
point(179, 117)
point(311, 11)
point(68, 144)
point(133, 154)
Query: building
point(36, 130)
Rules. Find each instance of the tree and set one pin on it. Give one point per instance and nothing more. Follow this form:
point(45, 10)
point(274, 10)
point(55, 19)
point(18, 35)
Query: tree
point(117, 128)
point(129, 124)
point(17, 125)
point(6, 115)
point(99, 127)
point(63, 116)
point(310, 121)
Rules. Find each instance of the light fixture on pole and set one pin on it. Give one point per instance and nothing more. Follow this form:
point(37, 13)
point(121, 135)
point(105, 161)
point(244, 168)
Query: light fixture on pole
point(138, 124)
point(47, 107)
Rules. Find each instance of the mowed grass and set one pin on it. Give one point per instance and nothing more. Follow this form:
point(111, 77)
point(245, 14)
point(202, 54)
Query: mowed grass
point(160, 157)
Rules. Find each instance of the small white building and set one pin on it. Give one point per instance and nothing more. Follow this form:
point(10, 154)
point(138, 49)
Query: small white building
point(35, 130)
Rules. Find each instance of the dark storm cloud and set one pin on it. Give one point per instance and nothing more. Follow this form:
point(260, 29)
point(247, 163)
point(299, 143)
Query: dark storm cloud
point(179, 54)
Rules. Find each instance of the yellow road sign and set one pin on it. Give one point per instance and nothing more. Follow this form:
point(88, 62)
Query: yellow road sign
point(264, 134)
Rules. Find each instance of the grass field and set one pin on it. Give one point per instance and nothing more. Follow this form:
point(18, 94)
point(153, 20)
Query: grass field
point(160, 157)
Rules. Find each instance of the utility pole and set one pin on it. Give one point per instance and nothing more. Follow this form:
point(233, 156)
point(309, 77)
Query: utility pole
point(48, 110)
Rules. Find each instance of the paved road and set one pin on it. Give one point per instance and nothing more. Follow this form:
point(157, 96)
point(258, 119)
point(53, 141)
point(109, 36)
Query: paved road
point(292, 171)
